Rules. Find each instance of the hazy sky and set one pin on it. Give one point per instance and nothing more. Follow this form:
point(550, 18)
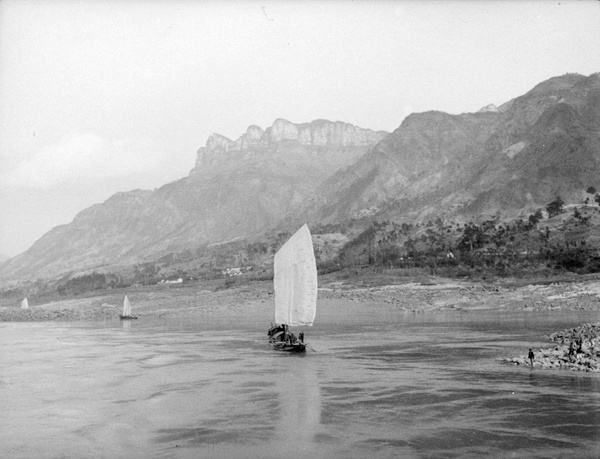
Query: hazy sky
point(104, 96)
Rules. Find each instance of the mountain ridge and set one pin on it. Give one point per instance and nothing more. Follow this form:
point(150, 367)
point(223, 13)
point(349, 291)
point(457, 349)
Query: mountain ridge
point(501, 162)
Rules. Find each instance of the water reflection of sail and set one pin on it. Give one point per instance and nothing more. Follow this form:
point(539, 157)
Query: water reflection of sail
point(126, 323)
point(300, 406)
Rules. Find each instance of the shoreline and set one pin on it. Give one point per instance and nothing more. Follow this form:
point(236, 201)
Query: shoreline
point(422, 295)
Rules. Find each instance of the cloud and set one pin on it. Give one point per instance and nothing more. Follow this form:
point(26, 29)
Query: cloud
point(85, 157)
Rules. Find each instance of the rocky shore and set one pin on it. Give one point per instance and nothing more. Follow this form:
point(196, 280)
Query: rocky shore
point(566, 355)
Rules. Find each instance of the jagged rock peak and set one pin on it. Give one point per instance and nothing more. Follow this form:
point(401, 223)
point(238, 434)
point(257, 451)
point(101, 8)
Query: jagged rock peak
point(252, 136)
point(315, 133)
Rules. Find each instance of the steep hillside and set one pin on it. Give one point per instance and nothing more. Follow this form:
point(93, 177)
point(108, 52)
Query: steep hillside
point(236, 189)
point(505, 162)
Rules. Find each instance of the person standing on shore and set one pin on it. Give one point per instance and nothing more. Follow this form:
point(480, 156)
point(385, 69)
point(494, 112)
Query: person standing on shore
point(579, 348)
point(571, 350)
point(531, 356)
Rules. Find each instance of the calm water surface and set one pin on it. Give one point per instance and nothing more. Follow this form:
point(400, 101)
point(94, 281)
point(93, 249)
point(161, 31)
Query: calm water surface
point(385, 385)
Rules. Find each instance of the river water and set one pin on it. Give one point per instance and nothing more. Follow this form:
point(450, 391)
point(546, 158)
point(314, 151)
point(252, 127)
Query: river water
point(374, 385)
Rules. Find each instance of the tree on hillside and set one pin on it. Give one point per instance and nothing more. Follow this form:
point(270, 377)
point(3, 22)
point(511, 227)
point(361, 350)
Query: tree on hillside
point(591, 190)
point(555, 207)
point(597, 198)
point(473, 237)
point(536, 217)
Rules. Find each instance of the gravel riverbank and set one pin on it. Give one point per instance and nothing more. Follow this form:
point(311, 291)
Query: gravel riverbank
point(216, 298)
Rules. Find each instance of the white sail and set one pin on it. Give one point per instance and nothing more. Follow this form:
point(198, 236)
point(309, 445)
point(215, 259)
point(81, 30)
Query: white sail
point(24, 304)
point(296, 280)
point(126, 307)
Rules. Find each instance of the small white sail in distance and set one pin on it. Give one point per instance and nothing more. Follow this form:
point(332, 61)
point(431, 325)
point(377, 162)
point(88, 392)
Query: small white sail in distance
point(295, 280)
point(126, 307)
point(25, 303)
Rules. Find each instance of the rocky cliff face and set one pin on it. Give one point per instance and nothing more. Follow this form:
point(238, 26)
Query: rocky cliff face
point(319, 135)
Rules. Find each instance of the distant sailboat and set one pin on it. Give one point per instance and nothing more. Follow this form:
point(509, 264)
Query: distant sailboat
point(295, 281)
point(127, 310)
point(25, 303)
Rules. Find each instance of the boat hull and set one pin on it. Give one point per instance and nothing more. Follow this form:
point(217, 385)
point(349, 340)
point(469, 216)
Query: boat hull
point(287, 347)
point(277, 339)
point(122, 317)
